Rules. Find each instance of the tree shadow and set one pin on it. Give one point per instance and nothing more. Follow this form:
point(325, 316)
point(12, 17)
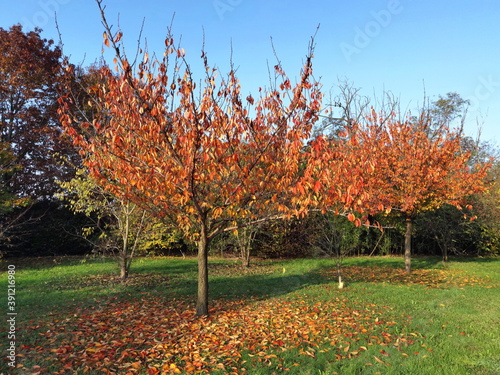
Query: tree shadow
point(165, 265)
point(42, 262)
point(230, 280)
point(257, 286)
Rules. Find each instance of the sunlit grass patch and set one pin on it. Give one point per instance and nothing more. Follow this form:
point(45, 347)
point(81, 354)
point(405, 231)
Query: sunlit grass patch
point(431, 278)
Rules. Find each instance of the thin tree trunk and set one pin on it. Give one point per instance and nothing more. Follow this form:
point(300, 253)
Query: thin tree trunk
point(124, 267)
point(339, 273)
point(125, 233)
point(202, 302)
point(245, 257)
point(445, 253)
point(443, 246)
point(129, 254)
point(245, 239)
point(408, 235)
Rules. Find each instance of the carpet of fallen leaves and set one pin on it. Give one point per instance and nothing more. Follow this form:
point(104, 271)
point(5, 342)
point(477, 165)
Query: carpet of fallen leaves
point(150, 336)
point(430, 278)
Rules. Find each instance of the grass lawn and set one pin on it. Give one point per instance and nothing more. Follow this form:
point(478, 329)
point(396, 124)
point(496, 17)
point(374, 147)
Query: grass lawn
point(74, 317)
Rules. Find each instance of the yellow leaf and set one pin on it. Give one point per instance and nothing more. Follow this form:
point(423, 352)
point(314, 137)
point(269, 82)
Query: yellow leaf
point(379, 360)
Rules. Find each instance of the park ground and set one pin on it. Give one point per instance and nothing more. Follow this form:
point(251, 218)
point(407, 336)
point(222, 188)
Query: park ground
point(74, 316)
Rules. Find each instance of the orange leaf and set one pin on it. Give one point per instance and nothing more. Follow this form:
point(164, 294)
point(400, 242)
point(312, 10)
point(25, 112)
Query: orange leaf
point(317, 186)
point(118, 37)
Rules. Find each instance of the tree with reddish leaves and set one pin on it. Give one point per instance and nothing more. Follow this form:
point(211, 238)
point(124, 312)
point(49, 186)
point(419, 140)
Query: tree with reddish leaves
point(30, 76)
point(416, 168)
point(200, 157)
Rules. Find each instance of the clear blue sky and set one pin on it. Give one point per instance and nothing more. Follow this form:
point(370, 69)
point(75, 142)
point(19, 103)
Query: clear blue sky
point(402, 46)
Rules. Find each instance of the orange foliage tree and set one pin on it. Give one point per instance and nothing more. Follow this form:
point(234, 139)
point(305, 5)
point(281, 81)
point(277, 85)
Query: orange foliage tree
point(199, 157)
point(415, 168)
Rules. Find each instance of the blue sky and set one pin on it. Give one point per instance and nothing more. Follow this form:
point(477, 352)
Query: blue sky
point(407, 47)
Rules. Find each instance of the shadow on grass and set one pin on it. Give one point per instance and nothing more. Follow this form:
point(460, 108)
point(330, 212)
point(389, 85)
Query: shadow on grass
point(263, 285)
point(231, 281)
point(38, 263)
point(164, 265)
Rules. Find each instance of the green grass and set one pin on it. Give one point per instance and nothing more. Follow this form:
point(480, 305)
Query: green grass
point(450, 312)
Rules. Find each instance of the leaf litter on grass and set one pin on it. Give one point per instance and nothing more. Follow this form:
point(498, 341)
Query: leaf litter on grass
point(143, 280)
point(155, 336)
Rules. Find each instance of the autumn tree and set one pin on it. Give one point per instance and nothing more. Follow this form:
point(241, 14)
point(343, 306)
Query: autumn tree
point(415, 170)
point(30, 76)
point(197, 156)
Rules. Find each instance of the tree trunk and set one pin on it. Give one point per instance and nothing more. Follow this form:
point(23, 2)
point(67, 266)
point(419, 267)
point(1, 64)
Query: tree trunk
point(408, 235)
point(245, 238)
point(125, 228)
point(339, 273)
point(124, 267)
point(245, 257)
point(445, 252)
point(202, 302)
point(245, 244)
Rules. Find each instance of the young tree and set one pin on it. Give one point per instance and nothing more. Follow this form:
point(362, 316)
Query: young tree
point(199, 158)
point(122, 224)
point(416, 170)
point(331, 240)
point(245, 237)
